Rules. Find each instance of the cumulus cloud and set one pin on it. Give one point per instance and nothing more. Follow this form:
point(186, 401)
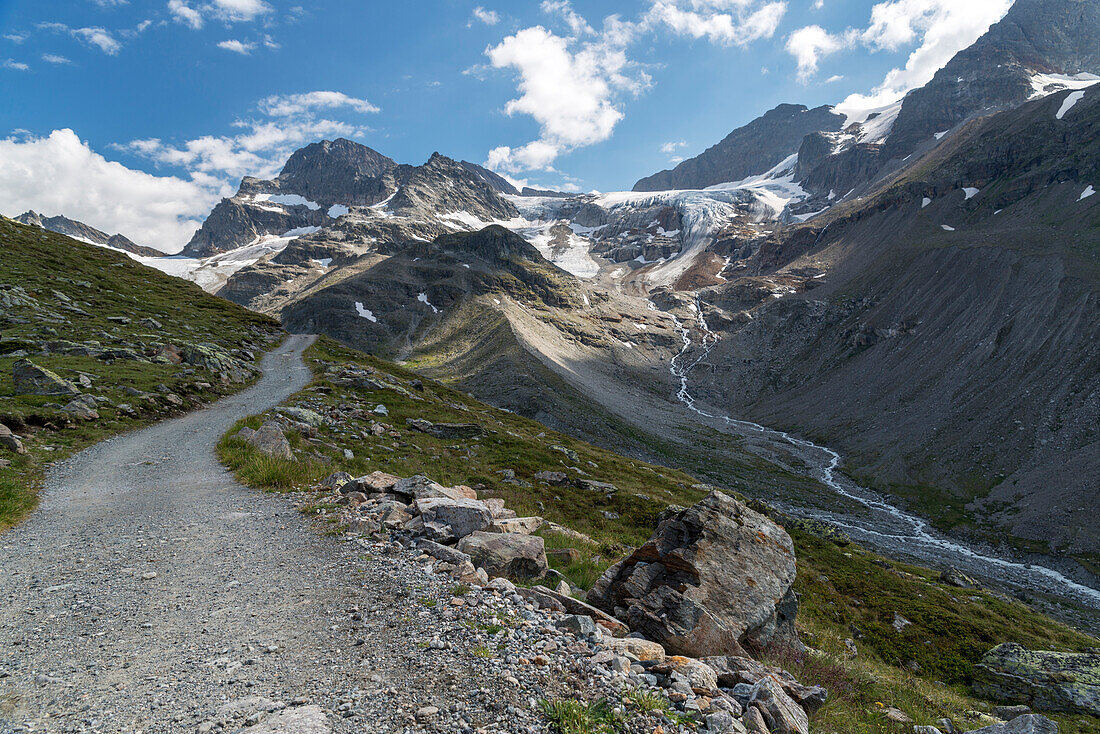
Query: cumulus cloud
point(16, 37)
point(228, 11)
point(185, 14)
point(488, 17)
point(95, 36)
point(261, 147)
point(737, 22)
point(283, 105)
point(14, 65)
point(60, 174)
point(569, 87)
point(940, 28)
point(672, 146)
point(238, 47)
point(55, 59)
point(810, 43)
point(573, 84)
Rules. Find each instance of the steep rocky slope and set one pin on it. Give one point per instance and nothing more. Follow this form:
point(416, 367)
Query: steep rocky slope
point(943, 334)
point(85, 233)
point(748, 150)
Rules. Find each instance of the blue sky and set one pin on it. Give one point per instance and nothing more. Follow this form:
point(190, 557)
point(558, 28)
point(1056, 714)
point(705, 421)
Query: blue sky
point(169, 102)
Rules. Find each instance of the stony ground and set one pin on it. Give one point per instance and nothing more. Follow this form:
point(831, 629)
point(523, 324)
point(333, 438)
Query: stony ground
point(152, 593)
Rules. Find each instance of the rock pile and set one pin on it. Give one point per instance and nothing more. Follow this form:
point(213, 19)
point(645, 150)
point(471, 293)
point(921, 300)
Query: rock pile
point(714, 580)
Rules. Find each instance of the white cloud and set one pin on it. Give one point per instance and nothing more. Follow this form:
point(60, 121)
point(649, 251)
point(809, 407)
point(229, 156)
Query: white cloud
point(568, 87)
point(283, 105)
point(672, 146)
point(818, 4)
point(185, 14)
point(488, 17)
point(262, 146)
point(16, 37)
point(14, 65)
point(574, 86)
point(100, 38)
point(834, 78)
point(60, 174)
point(228, 11)
point(55, 59)
point(111, 3)
point(737, 22)
point(235, 11)
point(940, 28)
point(810, 43)
point(239, 47)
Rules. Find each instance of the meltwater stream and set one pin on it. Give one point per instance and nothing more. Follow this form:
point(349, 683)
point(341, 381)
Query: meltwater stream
point(891, 528)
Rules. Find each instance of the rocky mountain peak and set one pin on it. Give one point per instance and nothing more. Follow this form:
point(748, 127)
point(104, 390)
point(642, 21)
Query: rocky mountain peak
point(494, 244)
point(445, 186)
point(997, 71)
point(751, 149)
point(86, 233)
point(336, 172)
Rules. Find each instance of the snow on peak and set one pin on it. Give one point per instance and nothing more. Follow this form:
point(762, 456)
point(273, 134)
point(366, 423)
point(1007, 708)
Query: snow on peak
point(1045, 84)
point(1089, 191)
point(338, 210)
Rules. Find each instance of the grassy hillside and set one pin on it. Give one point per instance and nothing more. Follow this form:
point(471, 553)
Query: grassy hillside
point(845, 592)
point(85, 312)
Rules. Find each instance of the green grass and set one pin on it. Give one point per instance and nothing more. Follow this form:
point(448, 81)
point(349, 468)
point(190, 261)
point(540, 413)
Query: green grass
point(100, 283)
point(571, 716)
point(840, 588)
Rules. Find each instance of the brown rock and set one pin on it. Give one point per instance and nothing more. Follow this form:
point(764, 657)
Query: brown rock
point(714, 578)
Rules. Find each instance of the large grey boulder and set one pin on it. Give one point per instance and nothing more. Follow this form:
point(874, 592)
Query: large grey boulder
point(1042, 679)
point(447, 520)
point(517, 556)
point(1027, 724)
point(420, 487)
point(10, 441)
point(269, 439)
point(780, 712)
point(714, 579)
point(31, 379)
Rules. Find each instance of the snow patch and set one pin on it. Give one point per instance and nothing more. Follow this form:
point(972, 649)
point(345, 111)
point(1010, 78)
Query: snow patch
point(365, 312)
point(288, 200)
point(1089, 191)
point(939, 135)
point(338, 210)
point(324, 262)
point(1071, 99)
point(970, 191)
point(1046, 84)
point(925, 202)
point(423, 298)
point(947, 228)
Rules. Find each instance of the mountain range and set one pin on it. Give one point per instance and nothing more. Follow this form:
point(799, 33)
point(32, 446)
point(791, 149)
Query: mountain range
point(915, 287)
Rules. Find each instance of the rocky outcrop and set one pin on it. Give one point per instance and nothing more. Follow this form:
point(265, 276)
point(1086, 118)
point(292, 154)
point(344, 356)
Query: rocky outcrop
point(32, 379)
point(748, 150)
point(337, 172)
point(1026, 724)
point(1043, 679)
point(714, 579)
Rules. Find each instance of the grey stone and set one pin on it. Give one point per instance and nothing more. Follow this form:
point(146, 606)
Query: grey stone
point(269, 439)
point(447, 520)
point(31, 379)
point(1046, 680)
point(516, 556)
point(1027, 724)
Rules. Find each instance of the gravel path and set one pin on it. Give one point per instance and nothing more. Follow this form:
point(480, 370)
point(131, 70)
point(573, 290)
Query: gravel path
point(149, 590)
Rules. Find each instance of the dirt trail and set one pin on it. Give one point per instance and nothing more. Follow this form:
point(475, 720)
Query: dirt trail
point(247, 598)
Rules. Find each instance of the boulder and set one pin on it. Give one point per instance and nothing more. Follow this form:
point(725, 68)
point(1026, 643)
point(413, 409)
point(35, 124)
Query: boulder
point(447, 520)
point(10, 441)
point(955, 577)
point(496, 506)
point(30, 379)
point(336, 480)
point(377, 481)
point(506, 554)
point(443, 552)
point(754, 722)
point(446, 430)
point(780, 712)
point(715, 578)
point(521, 525)
point(302, 415)
point(82, 407)
point(1042, 679)
point(698, 674)
point(557, 478)
point(1026, 724)
point(297, 720)
point(641, 649)
point(564, 556)
point(733, 670)
point(270, 440)
point(419, 487)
